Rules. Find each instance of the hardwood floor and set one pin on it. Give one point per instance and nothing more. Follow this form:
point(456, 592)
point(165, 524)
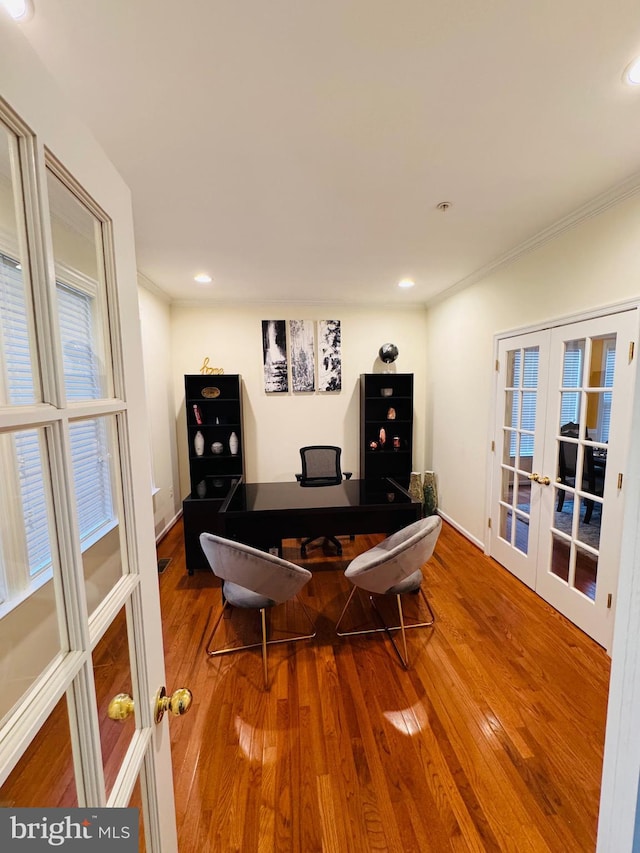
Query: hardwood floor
point(492, 741)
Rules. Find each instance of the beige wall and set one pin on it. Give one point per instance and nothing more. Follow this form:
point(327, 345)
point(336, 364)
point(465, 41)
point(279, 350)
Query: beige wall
point(596, 263)
point(277, 425)
point(155, 322)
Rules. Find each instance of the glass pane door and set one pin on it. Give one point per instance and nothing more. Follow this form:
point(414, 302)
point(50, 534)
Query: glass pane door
point(591, 371)
point(522, 364)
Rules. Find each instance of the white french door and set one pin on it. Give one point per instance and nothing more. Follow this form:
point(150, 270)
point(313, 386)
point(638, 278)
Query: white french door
point(563, 413)
point(79, 603)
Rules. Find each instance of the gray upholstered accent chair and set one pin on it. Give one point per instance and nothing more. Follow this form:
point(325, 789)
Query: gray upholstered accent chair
point(257, 580)
point(394, 567)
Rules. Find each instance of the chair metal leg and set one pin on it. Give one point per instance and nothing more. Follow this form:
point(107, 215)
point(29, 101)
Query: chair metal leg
point(263, 620)
point(215, 628)
point(344, 610)
point(403, 627)
point(404, 633)
point(264, 642)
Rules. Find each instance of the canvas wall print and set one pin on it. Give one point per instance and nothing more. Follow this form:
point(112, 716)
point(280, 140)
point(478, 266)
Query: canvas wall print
point(301, 347)
point(329, 356)
point(274, 355)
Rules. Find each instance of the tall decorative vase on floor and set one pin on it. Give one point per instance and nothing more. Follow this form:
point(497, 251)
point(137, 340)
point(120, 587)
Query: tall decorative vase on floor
point(198, 443)
point(233, 444)
point(415, 487)
point(430, 493)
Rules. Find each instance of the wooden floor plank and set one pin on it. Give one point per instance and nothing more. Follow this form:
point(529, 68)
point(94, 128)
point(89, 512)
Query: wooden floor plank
point(493, 740)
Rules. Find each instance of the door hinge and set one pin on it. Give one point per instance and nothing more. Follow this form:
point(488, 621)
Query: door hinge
point(493, 446)
point(497, 364)
point(632, 349)
point(609, 600)
point(619, 481)
point(489, 522)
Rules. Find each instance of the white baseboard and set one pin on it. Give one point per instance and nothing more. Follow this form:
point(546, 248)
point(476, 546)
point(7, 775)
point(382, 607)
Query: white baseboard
point(168, 526)
point(478, 542)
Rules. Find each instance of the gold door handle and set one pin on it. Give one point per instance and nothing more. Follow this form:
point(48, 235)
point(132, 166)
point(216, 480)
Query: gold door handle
point(122, 706)
point(544, 481)
point(178, 703)
point(534, 477)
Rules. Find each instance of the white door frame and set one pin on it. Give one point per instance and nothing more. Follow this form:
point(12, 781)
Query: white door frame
point(34, 97)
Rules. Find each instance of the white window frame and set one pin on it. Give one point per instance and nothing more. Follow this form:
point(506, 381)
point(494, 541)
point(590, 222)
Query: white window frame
point(17, 582)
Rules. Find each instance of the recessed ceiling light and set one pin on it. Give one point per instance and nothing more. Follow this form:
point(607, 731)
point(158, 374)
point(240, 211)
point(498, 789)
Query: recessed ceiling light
point(202, 278)
point(18, 9)
point(406, 282)
point(632, 72)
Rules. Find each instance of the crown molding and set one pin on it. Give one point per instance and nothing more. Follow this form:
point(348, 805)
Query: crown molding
point(610, 198)
point(152, 287)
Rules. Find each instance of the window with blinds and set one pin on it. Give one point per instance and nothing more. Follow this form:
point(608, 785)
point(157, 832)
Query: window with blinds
point(524, 403)
point(605, 411)
point(571, 378)
point(89, 441)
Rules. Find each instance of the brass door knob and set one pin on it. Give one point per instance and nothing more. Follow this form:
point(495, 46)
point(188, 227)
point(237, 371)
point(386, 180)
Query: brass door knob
point(544, 481)
point(534, 477)
point(120, 707)
point(177, 704)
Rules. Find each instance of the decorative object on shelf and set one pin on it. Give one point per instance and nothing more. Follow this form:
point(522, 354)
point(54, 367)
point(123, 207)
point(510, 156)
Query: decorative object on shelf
point(373, 445)
point(197, 413)
point(301, 344)
point(430, 489)
point(391, 496)
point(217, 371)
point(198, 443)
point(274, 356)
point(217, 447)
point(210, 393)
point(383, 395)
point(388, 353)
point(218, 484)
point(382, 438)
point(201, 489)
point(233, 444)
point(329, 355)
point(415, 487)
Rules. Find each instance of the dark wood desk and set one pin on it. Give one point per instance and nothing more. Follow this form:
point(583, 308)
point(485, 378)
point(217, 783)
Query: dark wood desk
point(263, 514)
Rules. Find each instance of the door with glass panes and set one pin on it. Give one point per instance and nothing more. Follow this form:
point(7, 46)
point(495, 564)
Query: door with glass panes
point(563, 411)
point(79, 604)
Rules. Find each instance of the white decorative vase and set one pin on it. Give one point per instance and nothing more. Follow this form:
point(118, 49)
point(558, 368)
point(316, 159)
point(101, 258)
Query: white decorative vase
point(198, 443)
point(233, 444)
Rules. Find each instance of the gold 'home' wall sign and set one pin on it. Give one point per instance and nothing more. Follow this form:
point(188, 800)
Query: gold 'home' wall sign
point(210, 371)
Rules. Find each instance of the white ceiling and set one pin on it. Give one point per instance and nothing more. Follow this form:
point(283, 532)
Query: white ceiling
point(296, 150)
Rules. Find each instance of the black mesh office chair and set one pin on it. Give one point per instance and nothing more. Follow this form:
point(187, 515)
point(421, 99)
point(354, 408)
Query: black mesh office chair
point(321, 467)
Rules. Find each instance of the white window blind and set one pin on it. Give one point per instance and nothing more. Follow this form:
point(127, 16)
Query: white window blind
point(609, 368)
point(525, 401)
point(15, 334)
point(76, 331)
point(89, 443)
point(571, 378)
